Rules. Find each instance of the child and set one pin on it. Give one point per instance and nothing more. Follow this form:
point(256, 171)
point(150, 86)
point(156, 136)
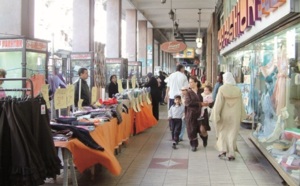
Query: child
point(207, 98)
point(175, 114)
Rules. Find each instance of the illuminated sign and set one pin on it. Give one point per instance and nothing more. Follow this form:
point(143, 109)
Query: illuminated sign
point(173, 46)
point(243, 16)
point(11, 43)
point(36, 45)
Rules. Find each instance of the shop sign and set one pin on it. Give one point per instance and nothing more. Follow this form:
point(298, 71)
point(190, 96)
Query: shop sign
point(36, 45)
point(134, 63)
point(11, 43)
point(173, 46)
point(187, 53)
point(113, 60)
point(81, 56)
point(243, 16)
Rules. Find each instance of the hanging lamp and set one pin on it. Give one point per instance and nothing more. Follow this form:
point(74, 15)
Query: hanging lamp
point(199, 39)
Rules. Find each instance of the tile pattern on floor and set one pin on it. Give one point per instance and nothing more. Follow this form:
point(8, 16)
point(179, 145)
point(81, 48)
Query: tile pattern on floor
point(149, 160)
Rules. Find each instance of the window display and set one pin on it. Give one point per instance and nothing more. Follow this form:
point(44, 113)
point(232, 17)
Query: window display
point(268, 72)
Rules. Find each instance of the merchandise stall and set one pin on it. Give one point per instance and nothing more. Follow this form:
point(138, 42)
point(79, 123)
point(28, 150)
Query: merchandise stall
point(265, 62)
point(82, 60)
point(23, 57)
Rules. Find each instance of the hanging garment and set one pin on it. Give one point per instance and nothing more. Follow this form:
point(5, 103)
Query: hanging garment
point(38, 80)
point(27, 154)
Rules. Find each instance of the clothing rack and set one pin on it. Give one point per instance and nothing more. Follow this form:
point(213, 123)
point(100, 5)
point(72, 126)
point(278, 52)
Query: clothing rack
point(19, 89)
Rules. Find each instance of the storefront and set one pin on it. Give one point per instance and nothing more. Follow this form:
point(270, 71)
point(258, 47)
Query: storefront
point(263, 53)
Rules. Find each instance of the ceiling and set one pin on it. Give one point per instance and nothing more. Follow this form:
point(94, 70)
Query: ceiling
point(187, 16)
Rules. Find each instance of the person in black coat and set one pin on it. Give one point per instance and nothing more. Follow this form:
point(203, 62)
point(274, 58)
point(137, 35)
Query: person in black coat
point(113, 86)
point(155, 94)
point(85, 90)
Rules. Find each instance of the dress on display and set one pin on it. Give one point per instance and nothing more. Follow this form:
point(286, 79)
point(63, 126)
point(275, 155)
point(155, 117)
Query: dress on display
point(279, 94)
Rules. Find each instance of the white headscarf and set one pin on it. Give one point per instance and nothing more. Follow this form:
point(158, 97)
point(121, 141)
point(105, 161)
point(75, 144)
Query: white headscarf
point(228, 78)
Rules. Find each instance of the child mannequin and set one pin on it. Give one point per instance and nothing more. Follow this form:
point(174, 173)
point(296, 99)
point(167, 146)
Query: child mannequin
point(175, 114)
point(207, 98)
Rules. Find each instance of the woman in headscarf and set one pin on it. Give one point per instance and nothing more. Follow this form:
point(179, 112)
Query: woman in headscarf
point(227, 114)
point(155, 94)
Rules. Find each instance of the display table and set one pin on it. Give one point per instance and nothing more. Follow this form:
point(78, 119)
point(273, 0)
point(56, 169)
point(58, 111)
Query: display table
point(144, 119)
point(109, 135)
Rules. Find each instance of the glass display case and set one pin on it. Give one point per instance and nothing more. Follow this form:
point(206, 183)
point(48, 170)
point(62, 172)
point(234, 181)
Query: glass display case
point(270, 69)
point(116, 66)
point(82, 60)
point(22, 57)
point(135, 69)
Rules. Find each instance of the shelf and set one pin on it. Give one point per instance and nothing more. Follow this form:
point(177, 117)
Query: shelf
point(287, 178)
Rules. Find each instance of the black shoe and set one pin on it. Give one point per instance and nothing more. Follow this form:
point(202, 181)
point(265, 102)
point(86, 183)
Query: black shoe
point(174, 146)
point(180, 139)
point(194, 149)
point(204, 139)
point(231, 158)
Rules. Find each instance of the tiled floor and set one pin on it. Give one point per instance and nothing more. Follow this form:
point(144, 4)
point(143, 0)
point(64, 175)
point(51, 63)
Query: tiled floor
point(149, 160)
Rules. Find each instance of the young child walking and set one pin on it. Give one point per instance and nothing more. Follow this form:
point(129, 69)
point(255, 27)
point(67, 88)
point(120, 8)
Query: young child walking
point(175, 114)
point(207, 98)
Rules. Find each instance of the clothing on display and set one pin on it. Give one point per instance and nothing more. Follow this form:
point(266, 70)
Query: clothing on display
point(27, 154)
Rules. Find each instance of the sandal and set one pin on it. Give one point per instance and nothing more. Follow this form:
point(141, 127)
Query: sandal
point(223, 154)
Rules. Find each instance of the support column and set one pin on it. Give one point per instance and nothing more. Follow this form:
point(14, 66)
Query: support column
point(113, 30)
point(17, 17)
point(156, 54)
point(150, 53)
point(215, 52)
point(142, 46)
point(209, 53)
point(131, 35)
point(83, 25)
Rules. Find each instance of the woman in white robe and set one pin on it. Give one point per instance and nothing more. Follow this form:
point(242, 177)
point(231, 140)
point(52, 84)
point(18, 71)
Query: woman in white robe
point(227, 114)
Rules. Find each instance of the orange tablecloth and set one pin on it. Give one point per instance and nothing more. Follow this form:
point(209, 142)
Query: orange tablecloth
point(109, 135)
point(144, 119)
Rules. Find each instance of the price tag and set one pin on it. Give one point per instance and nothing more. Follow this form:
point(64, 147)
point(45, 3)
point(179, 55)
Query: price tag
point(45, 94)
point(120, 88)
point(70, 94)
point(279, 160)
point(269, 147)
point(60, 98)
point(43, 109)
point(94, 95)
point(80, 104)
point(290, 160)
point(133, 82)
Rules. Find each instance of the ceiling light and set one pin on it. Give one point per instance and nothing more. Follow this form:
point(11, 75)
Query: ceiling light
point(163, 1)
point(198, 39)
point(171, 14)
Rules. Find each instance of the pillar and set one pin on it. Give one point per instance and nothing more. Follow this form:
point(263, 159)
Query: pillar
point(142, 46)
point(131, 34)
point(83, 26)
point(215, 52)
point(209, 52)
point(113, 29)
point(17, 17)
point(156, 54)
point(150, 49)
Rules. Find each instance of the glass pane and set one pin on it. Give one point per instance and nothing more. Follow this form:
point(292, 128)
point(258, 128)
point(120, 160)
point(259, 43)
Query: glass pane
point(76, 65)
point(11, 62)
point(35, 63)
